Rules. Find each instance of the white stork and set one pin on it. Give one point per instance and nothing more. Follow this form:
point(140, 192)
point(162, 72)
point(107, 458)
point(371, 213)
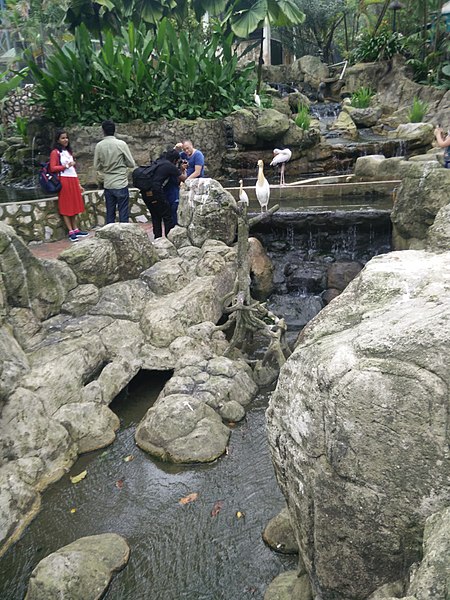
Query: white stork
point(242, 193)
point(262, 187)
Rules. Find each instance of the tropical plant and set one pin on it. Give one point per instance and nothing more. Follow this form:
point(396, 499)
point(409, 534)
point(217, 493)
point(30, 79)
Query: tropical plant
point(107, 15)
point(142, 74)
point(303, 118)
point(361, 98)
point(381, 46)
point(244, 17)
point(21, 128)
point(418, 110)
point(10, 81)
point(428, 58)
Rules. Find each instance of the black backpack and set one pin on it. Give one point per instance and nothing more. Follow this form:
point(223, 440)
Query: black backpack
point(143, 176)
point(48, 181)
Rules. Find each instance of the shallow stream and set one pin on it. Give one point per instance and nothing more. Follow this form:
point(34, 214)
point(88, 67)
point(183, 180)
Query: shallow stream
point(178, 552)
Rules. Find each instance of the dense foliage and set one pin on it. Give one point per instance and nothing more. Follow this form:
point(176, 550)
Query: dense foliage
point(142, 74)
point(381, 46)
point(418, 110)
point(361, 98)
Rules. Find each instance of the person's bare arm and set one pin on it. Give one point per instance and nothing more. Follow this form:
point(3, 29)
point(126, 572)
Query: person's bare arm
point(441, 141)
point(196, 173)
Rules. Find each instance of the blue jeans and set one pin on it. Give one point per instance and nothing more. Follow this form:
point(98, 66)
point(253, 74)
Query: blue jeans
point(117, 199)
point(172, 196)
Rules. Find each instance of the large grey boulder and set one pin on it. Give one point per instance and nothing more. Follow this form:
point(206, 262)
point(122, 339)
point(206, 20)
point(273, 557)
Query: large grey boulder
point(438, 235)
point(13, 363)
point(345, 124)
point(419, 198)
point(279, 534)
point(79, 571)
point(431, 581)
point(90, 425)
point(417, 134)
point(81, 299)
point(314, 70)
point(182, 429)
point(218, 382)
point(205, 210)
point(122, 300)
point(261, 270)
point(31, 283)
point(132, 246)
point(18, 495)
point(166, 276)
point(27, 430)
point(363, 117)
point(198, 301)
point(358, 424)
point(243, 124)
point(290, 585)
point(271, 125)
point(93, 260)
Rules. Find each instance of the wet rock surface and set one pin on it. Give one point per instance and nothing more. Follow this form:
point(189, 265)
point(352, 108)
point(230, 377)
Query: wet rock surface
point(371, 360)
point(80, 571)
point(62, 370)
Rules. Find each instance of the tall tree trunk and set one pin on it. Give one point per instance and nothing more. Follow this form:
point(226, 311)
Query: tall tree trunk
point(260, 61)
point(381, 16)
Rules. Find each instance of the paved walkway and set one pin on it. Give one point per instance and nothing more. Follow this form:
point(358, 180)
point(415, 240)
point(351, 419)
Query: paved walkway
point(54, 249)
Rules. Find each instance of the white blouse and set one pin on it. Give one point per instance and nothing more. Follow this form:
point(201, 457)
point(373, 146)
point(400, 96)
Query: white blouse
point(65, 157)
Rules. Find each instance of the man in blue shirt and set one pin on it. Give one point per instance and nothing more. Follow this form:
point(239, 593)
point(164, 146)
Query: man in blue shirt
point(194, 158)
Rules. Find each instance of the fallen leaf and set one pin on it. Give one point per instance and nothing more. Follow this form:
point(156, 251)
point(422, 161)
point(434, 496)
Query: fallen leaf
point(240, 515)
point(231, 424)
point(73, 510)
point(129, 458)
point(217, 508)
point(77, 478)
point(119, 484)
point(189, 498)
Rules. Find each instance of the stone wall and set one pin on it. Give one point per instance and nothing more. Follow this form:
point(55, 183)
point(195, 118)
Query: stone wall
point(148, 140)
point(39, 220)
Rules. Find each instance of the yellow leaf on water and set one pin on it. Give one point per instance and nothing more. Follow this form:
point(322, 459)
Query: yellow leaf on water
point(129, 458)
point(240, 515)
point(77, 478)
point(73, 510)
point(188, 498)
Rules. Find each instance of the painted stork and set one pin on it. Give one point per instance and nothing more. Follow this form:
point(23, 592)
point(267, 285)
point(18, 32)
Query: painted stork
point(281, 157)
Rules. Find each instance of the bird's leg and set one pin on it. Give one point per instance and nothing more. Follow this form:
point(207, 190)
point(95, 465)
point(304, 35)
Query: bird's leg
point(282, 174)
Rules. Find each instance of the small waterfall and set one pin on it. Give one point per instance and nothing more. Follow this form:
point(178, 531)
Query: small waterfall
point(325, 110)
point(401, 148)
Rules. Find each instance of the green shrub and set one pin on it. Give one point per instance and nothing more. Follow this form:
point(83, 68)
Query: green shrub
point(142, 75)
point(21, 128)
point(303, 118)
point(418, 110)
point(381, 46)
point(361, 98)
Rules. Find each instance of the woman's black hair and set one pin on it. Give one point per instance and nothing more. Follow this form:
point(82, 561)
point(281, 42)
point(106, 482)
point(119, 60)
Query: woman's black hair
point(57, 145)
point(172, 156)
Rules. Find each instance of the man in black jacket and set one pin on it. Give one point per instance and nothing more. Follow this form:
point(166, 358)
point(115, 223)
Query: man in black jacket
point(155, 199)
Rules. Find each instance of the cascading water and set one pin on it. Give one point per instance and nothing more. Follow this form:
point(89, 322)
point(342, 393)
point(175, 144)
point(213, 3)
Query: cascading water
point(305, 246)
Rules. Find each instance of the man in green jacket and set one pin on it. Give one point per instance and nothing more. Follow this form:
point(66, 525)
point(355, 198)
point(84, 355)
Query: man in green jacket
point(112, 160)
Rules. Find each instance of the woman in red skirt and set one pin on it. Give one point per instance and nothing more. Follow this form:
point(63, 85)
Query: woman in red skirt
point(70, 200)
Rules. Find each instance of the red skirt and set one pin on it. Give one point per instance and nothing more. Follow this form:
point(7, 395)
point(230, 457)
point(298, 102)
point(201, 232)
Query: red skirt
point(70, 200)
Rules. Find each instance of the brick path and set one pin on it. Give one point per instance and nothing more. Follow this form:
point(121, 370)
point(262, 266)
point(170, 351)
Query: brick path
point(54, 249)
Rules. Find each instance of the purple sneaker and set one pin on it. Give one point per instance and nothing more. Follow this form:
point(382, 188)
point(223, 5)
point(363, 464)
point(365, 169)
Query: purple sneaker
point(79, 233)
point(73, 237)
